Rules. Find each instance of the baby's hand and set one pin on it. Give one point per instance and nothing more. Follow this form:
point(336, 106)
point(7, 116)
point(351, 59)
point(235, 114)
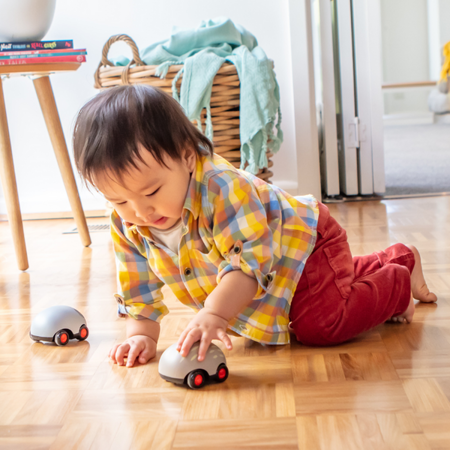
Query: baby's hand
point(135, 348)
point(204, 327)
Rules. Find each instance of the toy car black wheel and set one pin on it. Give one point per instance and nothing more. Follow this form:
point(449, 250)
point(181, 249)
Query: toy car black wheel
point(84, 333)
point(222, 373)
point(61, 337)
point(197, 379)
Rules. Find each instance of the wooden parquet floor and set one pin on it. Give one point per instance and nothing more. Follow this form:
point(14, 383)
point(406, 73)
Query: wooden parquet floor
point(387, 389)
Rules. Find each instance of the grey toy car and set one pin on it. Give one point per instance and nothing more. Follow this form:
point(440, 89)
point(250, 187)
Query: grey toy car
point(59, 324)
point(189, 370)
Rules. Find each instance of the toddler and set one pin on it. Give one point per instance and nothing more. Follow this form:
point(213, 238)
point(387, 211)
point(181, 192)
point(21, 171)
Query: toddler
point(251, 259)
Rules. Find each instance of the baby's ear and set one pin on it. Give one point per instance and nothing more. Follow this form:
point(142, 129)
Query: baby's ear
point(190, 158)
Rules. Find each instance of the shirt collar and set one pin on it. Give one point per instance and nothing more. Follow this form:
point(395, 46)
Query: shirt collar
point(193, 201)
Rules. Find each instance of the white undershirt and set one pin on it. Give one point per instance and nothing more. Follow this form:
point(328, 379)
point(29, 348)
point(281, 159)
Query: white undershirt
point(170, 237)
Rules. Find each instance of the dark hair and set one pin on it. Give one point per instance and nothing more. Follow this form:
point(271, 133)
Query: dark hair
point(110, 127)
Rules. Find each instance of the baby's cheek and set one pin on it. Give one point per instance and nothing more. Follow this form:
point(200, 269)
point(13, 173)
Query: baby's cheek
point(125, 214)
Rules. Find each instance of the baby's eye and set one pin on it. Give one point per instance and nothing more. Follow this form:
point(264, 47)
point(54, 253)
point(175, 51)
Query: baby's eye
point(121, 203)
point(153, 193)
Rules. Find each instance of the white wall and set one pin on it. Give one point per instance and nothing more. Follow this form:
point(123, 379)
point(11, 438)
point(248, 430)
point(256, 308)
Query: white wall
point(90, 23)
point(405, 53)
point(407, 33)
point(444, 15)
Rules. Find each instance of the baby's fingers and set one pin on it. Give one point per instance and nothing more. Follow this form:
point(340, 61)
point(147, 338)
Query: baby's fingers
point(193, 336)
point(182, 338)
point(121, 353)
point(132, 355)
point(145, 356)
point(112, 352)
point(223, 336)
point(203, 348)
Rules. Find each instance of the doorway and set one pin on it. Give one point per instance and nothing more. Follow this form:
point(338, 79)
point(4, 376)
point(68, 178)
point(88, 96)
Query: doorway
point(384, 130)
point(416, 114)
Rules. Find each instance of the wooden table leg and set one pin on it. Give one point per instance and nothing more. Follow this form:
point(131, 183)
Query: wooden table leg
point(9, 185)
point(48, 105)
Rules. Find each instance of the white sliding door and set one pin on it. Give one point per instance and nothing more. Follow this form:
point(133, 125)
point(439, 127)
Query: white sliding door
point(367, 56)
point(373, 31)
point(348, 126)
point(350, 45)
point(326, 96)
point(336, 66)
point(306, 134)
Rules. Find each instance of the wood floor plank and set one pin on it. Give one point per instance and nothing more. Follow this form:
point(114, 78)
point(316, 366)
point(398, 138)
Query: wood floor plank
point(237, 434)
point(370, 432)
point(91, 435)
point(284, 399)
point(436, 430)
point(136, 403)
point(28, 436)
point(426, 395)
point(354, 396)
point(308, 433)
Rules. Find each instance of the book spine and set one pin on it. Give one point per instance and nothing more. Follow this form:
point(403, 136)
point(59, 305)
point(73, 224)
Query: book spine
point(53, 59)
point(42, 55)
point(38, 45)
point(41, 52)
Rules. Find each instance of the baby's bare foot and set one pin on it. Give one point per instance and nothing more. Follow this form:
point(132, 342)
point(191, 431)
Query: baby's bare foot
point(419, 287)
point(407, 316)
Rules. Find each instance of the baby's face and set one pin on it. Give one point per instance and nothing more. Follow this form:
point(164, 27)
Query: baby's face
point(151, 195)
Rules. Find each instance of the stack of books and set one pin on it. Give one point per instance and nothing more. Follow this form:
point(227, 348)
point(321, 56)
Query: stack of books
point(41, 52)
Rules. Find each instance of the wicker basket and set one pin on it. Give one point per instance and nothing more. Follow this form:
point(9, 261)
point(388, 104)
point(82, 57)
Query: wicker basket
point(224, 97)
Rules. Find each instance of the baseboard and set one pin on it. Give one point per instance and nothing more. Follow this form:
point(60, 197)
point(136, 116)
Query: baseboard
point(57, 215)
point(442, 118)
point(414, 118)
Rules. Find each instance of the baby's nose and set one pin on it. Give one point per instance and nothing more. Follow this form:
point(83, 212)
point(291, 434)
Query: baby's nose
point(144, 213)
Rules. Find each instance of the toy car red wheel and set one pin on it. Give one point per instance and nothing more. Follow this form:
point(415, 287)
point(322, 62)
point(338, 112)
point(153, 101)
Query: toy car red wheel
point(197, 379)
point(61, 338)
point(222, 373)
point(84, 333)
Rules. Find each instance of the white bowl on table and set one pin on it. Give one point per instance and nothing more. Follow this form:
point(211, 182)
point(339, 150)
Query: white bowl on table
point(25, 20)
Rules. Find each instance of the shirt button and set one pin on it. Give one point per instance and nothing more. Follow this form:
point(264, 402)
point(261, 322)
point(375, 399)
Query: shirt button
point(187, 271)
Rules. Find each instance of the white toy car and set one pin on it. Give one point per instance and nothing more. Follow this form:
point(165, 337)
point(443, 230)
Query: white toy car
point(189, 370)
point(59, 324)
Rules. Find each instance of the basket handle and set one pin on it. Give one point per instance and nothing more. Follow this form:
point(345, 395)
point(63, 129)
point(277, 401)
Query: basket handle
point(106, 62)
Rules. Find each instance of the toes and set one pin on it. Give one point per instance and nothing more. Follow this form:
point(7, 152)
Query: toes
point(398, 319)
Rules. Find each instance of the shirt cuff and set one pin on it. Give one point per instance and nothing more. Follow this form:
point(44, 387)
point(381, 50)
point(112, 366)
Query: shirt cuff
point(155, 311)
point(265, 281)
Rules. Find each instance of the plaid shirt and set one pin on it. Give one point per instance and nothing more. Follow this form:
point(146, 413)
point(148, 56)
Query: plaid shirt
point(232, 220)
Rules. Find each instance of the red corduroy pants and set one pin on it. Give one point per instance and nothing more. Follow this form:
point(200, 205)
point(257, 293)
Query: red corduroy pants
point(340, 296)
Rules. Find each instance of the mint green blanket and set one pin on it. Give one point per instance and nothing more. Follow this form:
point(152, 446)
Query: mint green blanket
point(203, 51)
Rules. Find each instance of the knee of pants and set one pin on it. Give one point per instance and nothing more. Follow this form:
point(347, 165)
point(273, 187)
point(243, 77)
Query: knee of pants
point(397, 254)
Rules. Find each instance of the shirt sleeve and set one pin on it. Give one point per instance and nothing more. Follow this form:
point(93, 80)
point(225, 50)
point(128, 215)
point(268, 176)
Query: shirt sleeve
point(139, 289)
point(240, 229)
